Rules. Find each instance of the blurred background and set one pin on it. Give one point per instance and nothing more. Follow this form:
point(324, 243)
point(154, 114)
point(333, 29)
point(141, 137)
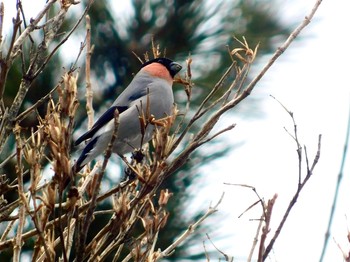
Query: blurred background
point(310, 79)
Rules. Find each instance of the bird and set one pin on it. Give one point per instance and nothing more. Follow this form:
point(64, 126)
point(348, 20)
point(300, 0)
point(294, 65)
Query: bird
point(153, 85)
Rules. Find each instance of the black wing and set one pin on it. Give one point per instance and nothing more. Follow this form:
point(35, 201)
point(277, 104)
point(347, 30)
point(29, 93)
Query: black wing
point(104, 119)
point(83, 155)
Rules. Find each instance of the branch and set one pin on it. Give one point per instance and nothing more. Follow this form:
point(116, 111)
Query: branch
point(238, 98)
point(284, 47)
point(293, 201)
point(89, 92)
point(31, 27)
point(21, 213)
point(169, 250)
point(266, 227)
point(336, 192)
point(1, 20)
point(96, 185)
point(8, 243)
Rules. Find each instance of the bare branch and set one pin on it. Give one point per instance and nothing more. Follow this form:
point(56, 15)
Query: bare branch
point(97, 183)
point(293, 201)
point(189, 231)
point(284, 47)
point(1, 20)
point(89, 92)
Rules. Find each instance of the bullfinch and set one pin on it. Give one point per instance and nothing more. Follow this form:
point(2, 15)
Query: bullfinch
point(150, 89)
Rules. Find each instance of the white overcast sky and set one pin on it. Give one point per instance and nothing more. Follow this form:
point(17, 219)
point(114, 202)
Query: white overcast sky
point(312, 80)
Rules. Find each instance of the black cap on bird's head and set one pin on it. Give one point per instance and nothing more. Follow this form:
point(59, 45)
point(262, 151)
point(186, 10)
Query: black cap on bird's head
point(172, 66)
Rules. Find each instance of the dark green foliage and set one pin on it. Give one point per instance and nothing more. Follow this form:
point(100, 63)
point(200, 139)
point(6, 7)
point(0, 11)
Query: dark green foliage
point(181, 27)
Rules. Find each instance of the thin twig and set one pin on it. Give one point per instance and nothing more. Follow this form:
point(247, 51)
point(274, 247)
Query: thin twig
point(256, 238)
point(93, 203)
point(285, 45)
point(266, 227)
point(89, 92)
point(189, 231)
point(230, 127)
point(336, 192)
point(7, 243)
point(19, 168)
point(188, 90)
point(1, 20)
point(293, 201)
point(38, 103)
point(56, 48)
point(227, 257)
point(6, 64)
point(295, 138)
point(36, 58)
point(30, 28)
point(195, 117)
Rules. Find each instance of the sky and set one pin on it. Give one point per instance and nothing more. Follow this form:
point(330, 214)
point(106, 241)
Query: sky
point(311, 80)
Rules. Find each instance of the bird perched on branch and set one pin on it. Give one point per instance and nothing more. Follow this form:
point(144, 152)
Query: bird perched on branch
point(151, 91)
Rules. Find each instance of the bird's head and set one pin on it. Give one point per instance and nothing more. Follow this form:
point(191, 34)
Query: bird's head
point(162, 67)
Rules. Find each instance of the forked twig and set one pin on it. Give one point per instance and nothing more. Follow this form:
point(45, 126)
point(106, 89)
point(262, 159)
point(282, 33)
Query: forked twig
point(227, 257)
point(190, 230)
point(301, 185)
point(285, 45)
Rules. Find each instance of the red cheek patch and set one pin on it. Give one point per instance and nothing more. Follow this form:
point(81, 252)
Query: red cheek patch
point(158, 70)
